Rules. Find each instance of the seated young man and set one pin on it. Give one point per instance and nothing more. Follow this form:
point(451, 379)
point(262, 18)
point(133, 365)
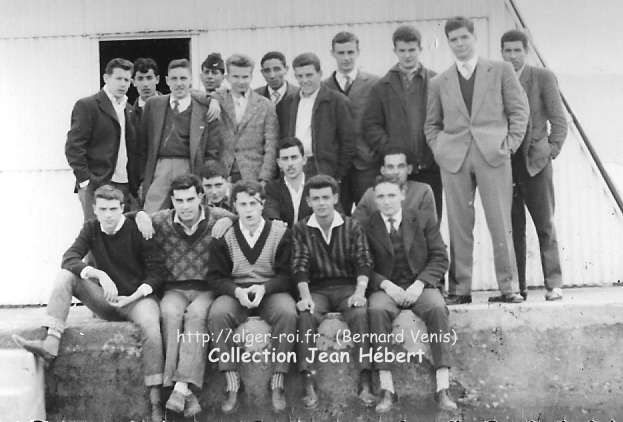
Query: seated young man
point(331, 263)
point(122, 287)
point(410, 260)
point(249, 267)
point(284, 197)
point(184, 233)
point(215, 185)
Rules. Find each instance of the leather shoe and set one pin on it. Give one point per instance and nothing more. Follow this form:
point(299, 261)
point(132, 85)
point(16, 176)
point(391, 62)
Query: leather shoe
point(458, 300)
point(35, 347)
point(278, 399)
point(509, 298)
point(310, 399)
point(176, 402)
point(192, 406)
point(524, 294)
point(444, 402)
point(386, 403)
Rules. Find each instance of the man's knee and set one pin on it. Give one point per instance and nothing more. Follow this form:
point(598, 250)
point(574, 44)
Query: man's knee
point(66, 279)
point(170, 311)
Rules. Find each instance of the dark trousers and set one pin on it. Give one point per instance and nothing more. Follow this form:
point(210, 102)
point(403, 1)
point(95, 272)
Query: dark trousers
point(278, 310)
point(431, 177)
point(430, 306)
point(355, 185)
point(331, 299)
point(537, 194)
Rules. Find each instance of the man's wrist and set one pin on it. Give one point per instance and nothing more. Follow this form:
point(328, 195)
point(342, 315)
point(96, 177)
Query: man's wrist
point(83, 184)
point(87, 272)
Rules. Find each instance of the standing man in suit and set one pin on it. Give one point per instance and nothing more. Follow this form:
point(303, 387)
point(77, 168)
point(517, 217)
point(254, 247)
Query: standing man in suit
point(477, 116)
point(532, 164)
point(356, 85)
point(285, 196)
point(101, 145)
point(250, 125)
point(176, 136)
point(212, 72)
point(277, 89)
point(322, 120)
point(396, 110)
point(145, 78)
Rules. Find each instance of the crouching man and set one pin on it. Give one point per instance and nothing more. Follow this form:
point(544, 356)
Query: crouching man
point(128, 272)
point(249, 267)
point(410, 259)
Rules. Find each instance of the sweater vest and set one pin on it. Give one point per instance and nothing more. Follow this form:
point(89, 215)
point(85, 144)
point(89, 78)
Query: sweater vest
point(176, 134)
point(401, 273)
point(467, 89)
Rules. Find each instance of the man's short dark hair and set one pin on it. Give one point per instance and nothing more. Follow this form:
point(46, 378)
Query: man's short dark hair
point(321, 181)
point(458, 22)
point(277, 55)
point(306, 59)
point(395, 150)
point(186, 181)
point(143, 64)
point(344, 37)
point(290, 142)
point(239, 60)
point(407, 33)
point(174, 64)
point(213, 169)
point(108, 192)
point(514, 35)
point(386, 179)
point(118, 63)
point(250, 187)
point(214, 61)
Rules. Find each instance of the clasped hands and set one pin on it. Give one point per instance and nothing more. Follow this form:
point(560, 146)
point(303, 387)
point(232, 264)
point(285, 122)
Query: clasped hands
point(403, 297)
point(250, 297)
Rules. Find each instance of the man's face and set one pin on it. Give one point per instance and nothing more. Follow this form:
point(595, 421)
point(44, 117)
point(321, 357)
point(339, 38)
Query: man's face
point(145, 83)
point(345, 55)
point(462, 43)
point(308, 78)
point(408, 53)
point(186, 203)
point(291, 162)
point(239, 78)
point(179, 80)
point(388, 198)
point(108, 212)
point(215, 189)
point(514, 53)
point(249, 209)
point(118, 82)
point(322, 201)
point(274, 73)
point(211, 78)
point(395, 166)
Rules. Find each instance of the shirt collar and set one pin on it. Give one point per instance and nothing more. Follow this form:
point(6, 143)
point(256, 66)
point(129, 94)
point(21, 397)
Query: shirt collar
point(397, 218)
point(342, 77)
point(112, 98)
point(289, 186)
point(282, 90)
point(256, 233)
point(311, 97)
point(471, 62)
point(184, 102)
point(141, 102)
point(192, 229)
point(337, 221)
point(117, 227)
point(520, 71)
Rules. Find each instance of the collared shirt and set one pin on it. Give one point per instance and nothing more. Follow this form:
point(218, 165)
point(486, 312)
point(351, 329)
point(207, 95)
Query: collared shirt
point(341, 78)
point(520, 71)
point(304, 121)
point(117, 227)
point(184, 103)
point(471, 65)
point(192, 229)
point(281, 91)
point(240, 104)
point(397, 220)
point(120, 175)
point(337, 221)
point(296, 196)
point(141, 102)
point(252, 238)
point(406, 76)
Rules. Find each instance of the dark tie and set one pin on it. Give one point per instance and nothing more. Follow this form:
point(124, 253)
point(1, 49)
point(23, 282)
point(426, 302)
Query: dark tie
point(176, 107)
point(347, 83)
point(392, 227)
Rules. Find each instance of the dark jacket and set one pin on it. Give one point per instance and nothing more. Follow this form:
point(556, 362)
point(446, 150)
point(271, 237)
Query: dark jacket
point(278, 205)
point(282, 106)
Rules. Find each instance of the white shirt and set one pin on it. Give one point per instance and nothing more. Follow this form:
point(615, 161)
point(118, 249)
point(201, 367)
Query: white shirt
point(252, 239)
point(141, 102)
point(240, 104)
point(337, 221)
point(471, 65)
point(304, 121)
point(341, 78)
point(296, 196)
point(397, 220)
point(282, 92)
point(120, 175)
point(184, 103)
point(192, 229)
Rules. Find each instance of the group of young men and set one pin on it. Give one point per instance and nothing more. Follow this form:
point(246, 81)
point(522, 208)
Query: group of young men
point(222, 235)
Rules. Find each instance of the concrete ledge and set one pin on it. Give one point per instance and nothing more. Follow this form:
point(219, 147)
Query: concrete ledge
point(510, 362)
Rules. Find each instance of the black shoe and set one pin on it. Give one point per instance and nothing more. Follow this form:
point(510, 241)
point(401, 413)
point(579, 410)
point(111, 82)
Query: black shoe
point(310, 399)
point(458, 300)
point(36, 347)
point(386, 403)
point(524, 294)
point(509, 298)
point(444, 402)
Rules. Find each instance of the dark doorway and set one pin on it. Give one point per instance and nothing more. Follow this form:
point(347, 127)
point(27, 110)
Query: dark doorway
point(161, 50)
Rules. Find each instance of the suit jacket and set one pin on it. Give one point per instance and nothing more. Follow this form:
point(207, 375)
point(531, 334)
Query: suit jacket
point(253, 142)
point(205, 138)
point(282, 106)
point(497, 122)
point(538, 148)
point(278, 204)
point(92, 142)
point(333, 131)
point(424, 248)
point(358, 94)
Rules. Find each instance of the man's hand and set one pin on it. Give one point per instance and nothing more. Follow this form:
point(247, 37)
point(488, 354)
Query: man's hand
point(123, 301)
point(144, 225)
point(109, 287)
point(243, 297)
point(221, 226)
point(214, 110)
point(306, 304)
point(259, 290)
point(357, 300)
point(414, 291)
point(394, 291)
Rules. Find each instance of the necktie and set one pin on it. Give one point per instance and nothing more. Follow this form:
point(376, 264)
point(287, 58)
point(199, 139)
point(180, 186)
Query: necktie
point(466, 70)
point(392, 227)
point(275, 96)
point(176, 106)
point(347, 83)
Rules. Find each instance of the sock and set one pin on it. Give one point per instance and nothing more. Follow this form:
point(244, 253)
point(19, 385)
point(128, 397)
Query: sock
point(233, 380)
point(154, 395)
point(443, 379)
point(182, 387)
point(52, 342)
point(277, 381)
point(386, 381)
